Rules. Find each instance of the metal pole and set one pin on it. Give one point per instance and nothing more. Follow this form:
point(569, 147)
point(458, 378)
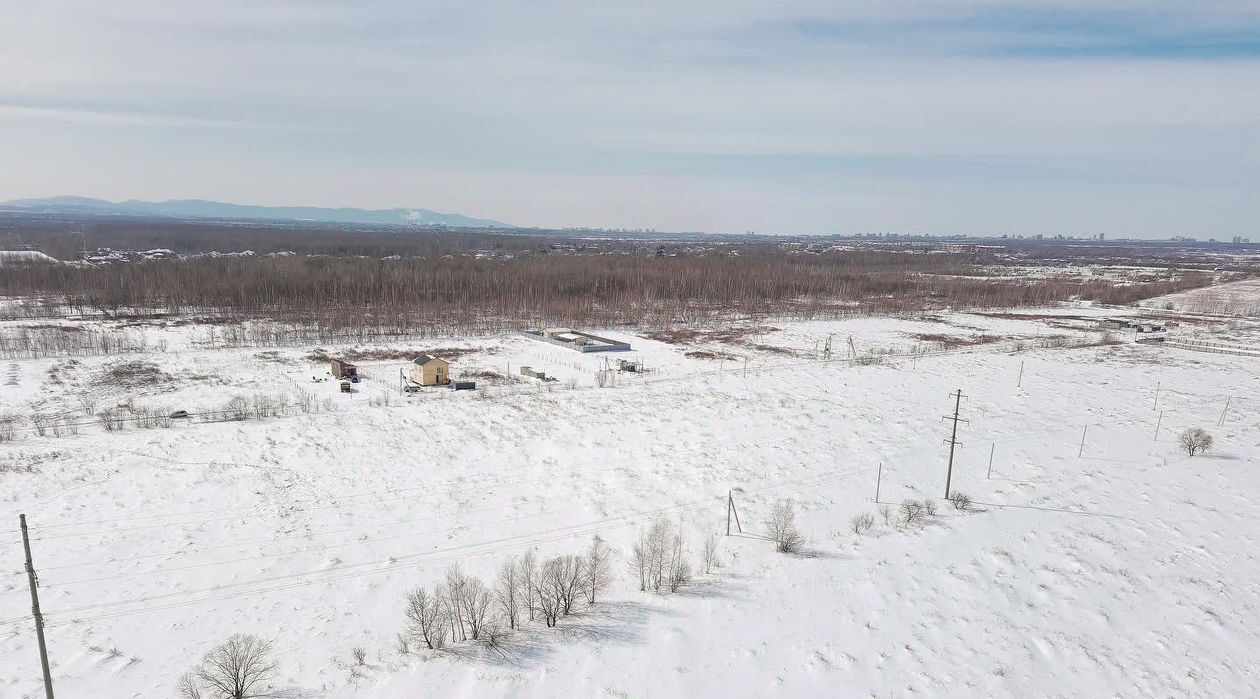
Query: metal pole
point(953, 440)
point(729, 502)
point(745, 366)
point(879, 474)
point(1157, 424)
point(1082, 451)
point(1020, 381)
point(1221, 422)
point(39, 618)
point(991, 448)
point(1156, 396)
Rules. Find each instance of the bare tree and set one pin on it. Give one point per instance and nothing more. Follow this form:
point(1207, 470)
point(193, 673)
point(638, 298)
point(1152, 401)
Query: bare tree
point(529, 581)
point(475, 601)
point(240, 668)
point(455, 584)
point(507, 591)
point(597, 571)
point(187, 687)
point(548, 590)
point(786, 535)
point(710, 554)
point(426, 618)
point(571, 572)
point(650, 553)
point(1195, 440)
point(678, 570)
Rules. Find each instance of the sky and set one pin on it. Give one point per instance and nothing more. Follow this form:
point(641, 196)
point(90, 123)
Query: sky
point(1132, 118)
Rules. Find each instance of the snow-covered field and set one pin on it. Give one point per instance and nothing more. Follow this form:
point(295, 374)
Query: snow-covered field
point(1240, 298)
point(1099, 560)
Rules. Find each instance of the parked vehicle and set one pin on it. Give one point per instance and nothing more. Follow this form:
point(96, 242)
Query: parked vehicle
point(462, 385)
point(180, 415)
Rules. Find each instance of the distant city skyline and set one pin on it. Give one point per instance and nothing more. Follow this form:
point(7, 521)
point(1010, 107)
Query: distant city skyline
point(983, 117)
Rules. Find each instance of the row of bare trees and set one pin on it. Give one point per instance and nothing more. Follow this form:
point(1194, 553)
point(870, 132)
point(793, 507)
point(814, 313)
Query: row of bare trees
point(33, 342)
point(526, 589)
point(476, 293)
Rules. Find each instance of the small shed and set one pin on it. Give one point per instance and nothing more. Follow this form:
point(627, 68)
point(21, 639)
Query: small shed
point(428, 370)
point(533, 373)
point(341, 369)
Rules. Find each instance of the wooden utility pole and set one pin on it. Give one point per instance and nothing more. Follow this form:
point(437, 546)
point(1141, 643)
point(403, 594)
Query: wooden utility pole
point(953, 439)
point(879, 474)
point(39, 618)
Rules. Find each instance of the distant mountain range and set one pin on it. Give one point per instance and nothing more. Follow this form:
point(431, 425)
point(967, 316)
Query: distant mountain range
point(198, 208)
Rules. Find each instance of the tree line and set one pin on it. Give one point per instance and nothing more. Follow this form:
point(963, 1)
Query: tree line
point(467, 292)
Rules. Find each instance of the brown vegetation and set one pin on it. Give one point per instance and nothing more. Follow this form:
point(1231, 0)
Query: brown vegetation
point(480, 282)
point(955, 340)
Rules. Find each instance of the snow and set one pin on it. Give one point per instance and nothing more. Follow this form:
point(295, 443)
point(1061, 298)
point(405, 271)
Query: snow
point(1239, 298)
point(1129, 570)
point(25, 257)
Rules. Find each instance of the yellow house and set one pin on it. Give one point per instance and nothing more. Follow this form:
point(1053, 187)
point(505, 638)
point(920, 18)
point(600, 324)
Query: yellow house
point(430, 371)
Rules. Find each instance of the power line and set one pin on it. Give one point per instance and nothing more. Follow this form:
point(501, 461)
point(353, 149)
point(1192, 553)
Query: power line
point(492, 546)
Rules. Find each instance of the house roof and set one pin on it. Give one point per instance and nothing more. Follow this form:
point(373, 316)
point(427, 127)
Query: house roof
point(425, 359)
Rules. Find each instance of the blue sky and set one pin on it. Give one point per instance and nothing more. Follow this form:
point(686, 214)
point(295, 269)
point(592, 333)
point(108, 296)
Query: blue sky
point(1043, 116)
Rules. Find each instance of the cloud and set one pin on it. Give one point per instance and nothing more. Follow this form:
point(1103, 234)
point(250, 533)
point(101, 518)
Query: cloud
point(746, 105)
point(84, 116)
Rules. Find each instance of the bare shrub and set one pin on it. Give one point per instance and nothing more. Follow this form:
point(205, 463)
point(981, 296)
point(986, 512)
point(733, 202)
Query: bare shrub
point(237, 409)
point(88, 401)
point(41, 423)
point(886, 512)
point(960, 500)
point(1195, 440)
point(8, 424)
point(929, 507)
point(358, 655)
point(111, 420)
point(861, 523)
point(709, 554)
point(786, 535)
point(597, 571)
point(911, 512)
point(240, 668)
point(426, 618)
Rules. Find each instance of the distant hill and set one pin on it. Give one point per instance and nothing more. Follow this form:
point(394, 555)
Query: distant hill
point(198, 208)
